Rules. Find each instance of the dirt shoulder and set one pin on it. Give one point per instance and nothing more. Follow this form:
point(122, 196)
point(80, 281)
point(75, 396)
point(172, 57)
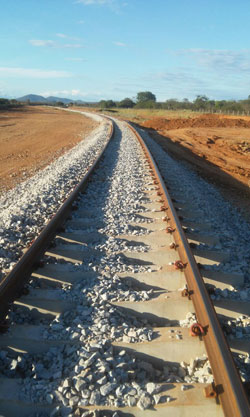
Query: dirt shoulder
point(217, 146)
point(31, 138)
point(217, 141)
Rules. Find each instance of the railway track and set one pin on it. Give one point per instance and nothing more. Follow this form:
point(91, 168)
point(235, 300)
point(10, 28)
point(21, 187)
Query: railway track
point(110, 315)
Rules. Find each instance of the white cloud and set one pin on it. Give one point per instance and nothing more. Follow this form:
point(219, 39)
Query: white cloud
point(63, 36)
point(54, 44)
point(2, 93)
point(63, 93)
point(75, 92)
point(119, 44)
point(14, 72)
point(225, 60)
point(72, 45)
point(40, 42)
point(114, 5)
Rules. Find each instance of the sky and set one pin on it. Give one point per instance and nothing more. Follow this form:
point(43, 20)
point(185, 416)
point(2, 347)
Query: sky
point(112, 49)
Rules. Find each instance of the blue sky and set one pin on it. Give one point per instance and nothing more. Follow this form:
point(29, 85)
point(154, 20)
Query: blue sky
point(111, 49)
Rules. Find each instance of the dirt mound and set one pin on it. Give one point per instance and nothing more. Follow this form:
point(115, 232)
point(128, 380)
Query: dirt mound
point(204, 121)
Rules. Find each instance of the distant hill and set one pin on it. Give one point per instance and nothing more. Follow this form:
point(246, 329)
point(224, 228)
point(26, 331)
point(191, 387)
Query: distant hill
point(80, 102)
point(34, 98)
point(52, 99)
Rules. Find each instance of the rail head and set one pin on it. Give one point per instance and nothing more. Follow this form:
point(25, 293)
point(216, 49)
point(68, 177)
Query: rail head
point(230, 389)
point(13, 282)
point(228, 386)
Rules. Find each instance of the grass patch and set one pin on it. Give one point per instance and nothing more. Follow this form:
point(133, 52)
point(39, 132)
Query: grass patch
point(141, 115)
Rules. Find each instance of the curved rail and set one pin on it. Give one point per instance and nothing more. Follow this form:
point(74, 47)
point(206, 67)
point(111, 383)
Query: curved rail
point(228, 386)
point(11, 285)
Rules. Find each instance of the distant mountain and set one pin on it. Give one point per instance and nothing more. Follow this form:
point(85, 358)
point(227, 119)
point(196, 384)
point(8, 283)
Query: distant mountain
point(34, 98)
point(52, 99)
point(80, 102)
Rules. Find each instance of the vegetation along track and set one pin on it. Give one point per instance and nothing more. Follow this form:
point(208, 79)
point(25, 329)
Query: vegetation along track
point(114, 317)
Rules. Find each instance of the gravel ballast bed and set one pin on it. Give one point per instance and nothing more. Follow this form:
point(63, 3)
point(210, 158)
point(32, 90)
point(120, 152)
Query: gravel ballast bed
point(227, 223)
point(26, 208)
point(92, 372)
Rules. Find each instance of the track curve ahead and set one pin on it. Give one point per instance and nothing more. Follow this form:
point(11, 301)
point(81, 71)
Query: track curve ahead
point(102, 324)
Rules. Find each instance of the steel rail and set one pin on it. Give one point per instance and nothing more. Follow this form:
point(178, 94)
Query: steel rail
point(228, 387)
point(11, 285)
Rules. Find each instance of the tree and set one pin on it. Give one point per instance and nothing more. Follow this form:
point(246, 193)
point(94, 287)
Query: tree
point(107, 104)
point(4, 101)
point(149, 104)
point(201, 102)
point(172, 104)
point(219, 104)
point(110, 103)
point(102, 104)
point(145, 96)
point(126, 103)
point(6, 104)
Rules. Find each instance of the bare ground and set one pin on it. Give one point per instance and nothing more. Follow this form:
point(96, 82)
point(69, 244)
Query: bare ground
point(217, 146)
point(220, 140)
point(31, 138)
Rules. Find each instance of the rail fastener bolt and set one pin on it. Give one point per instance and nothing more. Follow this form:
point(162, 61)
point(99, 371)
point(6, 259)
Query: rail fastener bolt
point(170, 229)
point(210, 391)
point(186, 293)
point(197, 330)
point(166, 219)
point(180, 265)
point(173, 245)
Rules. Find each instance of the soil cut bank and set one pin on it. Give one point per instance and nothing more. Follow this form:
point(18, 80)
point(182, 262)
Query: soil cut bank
point(31, 138)
point(221, 141)
point(217, 146)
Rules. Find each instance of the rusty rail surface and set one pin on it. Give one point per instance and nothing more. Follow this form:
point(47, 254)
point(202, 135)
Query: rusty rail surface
point(11, 285)
point(228, 387)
